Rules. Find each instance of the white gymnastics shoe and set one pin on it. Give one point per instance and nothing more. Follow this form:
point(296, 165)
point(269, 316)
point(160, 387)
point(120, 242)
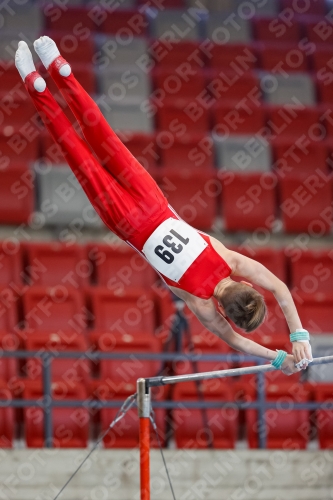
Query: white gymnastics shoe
point(25, 65)
point(48, 51)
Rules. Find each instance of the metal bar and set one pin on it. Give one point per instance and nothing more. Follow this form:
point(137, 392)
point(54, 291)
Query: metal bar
point(144, 408)
point(158, 381)
point(47, 389)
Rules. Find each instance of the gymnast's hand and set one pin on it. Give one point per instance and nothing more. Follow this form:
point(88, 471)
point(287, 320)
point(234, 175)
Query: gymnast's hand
point(288, 366)
point(302, 353)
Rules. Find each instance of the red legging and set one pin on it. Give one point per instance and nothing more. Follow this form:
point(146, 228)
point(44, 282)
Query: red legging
point(125, 196)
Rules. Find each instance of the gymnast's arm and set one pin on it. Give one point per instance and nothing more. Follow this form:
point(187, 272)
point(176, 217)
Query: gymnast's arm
point(207, 314)
point(261, 276)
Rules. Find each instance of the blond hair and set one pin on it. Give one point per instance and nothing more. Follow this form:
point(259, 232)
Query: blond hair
point(243, 305)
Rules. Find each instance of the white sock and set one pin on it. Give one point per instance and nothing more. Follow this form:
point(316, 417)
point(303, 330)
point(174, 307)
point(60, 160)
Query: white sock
point(23, 60)
point(48, 51)
point(25, 65)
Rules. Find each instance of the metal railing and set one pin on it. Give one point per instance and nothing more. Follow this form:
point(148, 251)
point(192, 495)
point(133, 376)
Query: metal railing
point(47, 403)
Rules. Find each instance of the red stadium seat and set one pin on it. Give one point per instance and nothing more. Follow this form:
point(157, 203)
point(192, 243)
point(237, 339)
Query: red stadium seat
point(76, 50)
point(325, 90)
point(17, 195)
point(327, 119)
point(304, 203)
point(181, 52)
point(230, 86)
point(18, 150)
point(237, 55)
point(315, 311)
point(184, 153)
point(192, 193)
point(124, 21)
point(8, 309)
point(70, 425)
point(19, 117)
point(190, 426)
point(279, 58)
point(312, 272)
point(300, 158)
point(53, 309)
point(294, 122)
point(243, 198)
point(178, 85)
point(10, 263)
point(126, 433)
point(285, 428)
point(119, 267)
point(7, 417)
point(181, 116)
point(270, 257)
point(276, 30)
point(54, 263)
point(322, 59)
point(185, 367)
point(324, 420)
point(84, 20)
point(232, 119)
point(143, 148)
point(317, 8)
point(10, 77)
point(68, 370)
point(130, 369)
point(8, 366)
point(130, 311)
point(318, 30)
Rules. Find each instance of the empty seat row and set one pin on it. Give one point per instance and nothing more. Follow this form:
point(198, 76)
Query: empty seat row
point(198, 24)
point(60, 319)
point(118, 268)
point(279, 136)
point(192, 428)
point(200, 138)
point(199, 196)
point(245, 181)
point(126, 93)
point(131, 24)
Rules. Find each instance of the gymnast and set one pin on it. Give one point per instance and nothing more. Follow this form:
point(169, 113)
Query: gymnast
point(195, 266)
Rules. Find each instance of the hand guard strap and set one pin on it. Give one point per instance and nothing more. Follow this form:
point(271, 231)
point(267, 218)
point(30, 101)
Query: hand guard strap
point(299, 335)
point(278, 361)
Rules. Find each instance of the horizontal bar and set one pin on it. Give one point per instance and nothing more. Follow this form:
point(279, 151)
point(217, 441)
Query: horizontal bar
point(178, 405)
point(158, 356)
point(233, 372)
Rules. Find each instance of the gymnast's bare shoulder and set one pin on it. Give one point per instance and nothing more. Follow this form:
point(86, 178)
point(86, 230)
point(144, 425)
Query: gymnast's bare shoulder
point(229, 256)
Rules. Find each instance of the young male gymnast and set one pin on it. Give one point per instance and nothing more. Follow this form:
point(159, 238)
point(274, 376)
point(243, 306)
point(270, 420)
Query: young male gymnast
point(195, 266)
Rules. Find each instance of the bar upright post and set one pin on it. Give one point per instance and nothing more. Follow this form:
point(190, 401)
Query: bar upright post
point(47, 401)
point(144, 402)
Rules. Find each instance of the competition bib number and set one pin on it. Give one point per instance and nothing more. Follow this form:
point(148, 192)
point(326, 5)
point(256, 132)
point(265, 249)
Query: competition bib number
point(165, 255)
point(173, 247)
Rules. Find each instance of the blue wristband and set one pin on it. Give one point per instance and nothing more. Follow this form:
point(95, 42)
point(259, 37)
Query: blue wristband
point(278, 361)
point(300, 335)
